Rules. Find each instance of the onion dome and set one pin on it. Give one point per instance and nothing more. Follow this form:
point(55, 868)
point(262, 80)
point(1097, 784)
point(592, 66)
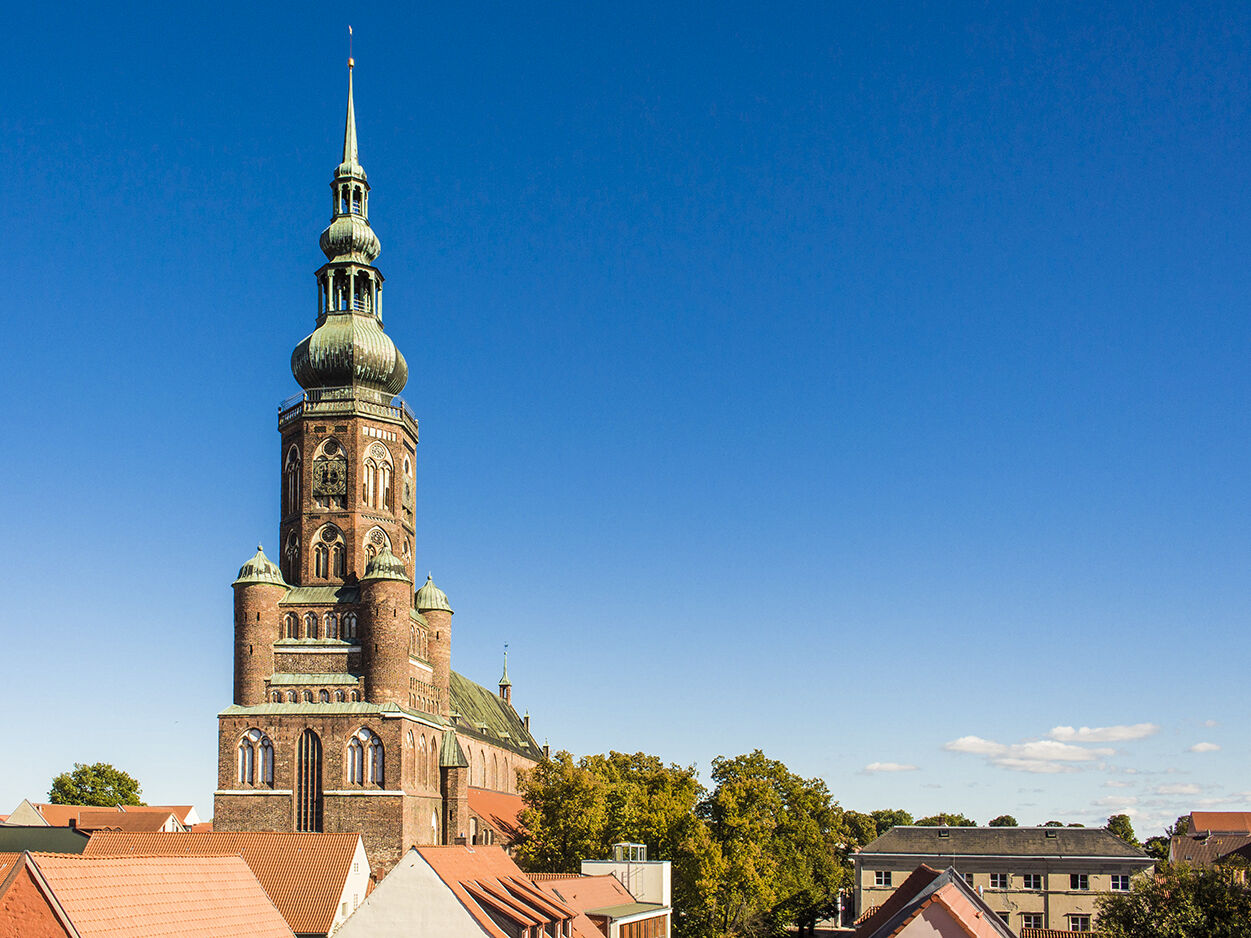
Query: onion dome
point(349, 349)
point(349, 238)
point(431, 597)
point(260, 569)
point(386, 566)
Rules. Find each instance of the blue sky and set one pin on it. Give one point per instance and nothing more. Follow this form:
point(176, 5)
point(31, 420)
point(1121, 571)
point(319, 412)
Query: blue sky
point(866, 384)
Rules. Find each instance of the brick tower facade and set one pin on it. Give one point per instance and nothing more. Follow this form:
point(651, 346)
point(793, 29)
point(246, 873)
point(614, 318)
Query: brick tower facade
point(347, 715)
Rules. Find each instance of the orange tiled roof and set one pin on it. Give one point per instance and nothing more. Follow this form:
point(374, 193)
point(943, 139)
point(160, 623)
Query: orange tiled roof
point(500, 810)
point(60, 815)
point(482, 877)
point(204, 827)
point(304, 874)
point(588, 892)
point(158, 897)
point(1223, 822)
point(138, 822)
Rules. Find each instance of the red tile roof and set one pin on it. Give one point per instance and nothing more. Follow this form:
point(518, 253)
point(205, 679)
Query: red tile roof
point(155, 897)
point(500, 810)
point(588, 892)
point(138, 822)
point(917, 880)
point(60, 815)
point(1221, 822)
point(482, 877)
point(304, 874)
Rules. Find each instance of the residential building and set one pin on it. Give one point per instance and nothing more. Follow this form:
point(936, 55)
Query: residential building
point(138, 822)
point(53, 895)
point(315, 880)
point(34, 814)
point(462, 892)
point(347, 715)
point(1035, 877)
point(930, 904)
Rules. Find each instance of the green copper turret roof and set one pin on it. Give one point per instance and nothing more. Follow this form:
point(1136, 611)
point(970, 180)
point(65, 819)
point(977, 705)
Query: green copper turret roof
point(451, 756)
point(431, 597)
point(260, 569)
point(504, 681)
point(351, 165)
point(386, 566)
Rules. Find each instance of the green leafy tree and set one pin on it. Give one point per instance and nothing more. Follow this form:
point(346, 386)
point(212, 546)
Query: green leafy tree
point(1119, 825)
point(577, 809)
point(1156, 847)
point(99, 785)
point(1178, 902)
point(778, 835)
point(1004, 820)
point(887, 818)
point(861, 828)
point(1053, 824)
point(946, 820)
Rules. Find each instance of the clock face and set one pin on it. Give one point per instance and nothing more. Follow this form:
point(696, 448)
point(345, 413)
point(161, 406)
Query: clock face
point(330, 477)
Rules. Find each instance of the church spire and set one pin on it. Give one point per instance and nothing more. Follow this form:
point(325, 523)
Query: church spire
point(350, 158)
point(349, 348)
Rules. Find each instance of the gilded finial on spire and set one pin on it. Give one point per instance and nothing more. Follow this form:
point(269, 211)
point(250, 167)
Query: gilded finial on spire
point(349, 130)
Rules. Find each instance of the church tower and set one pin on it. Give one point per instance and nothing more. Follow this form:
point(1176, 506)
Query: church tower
point(347, 715)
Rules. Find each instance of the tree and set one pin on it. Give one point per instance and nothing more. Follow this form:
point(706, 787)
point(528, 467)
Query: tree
point(885, 819)
point(1178, 902)
point(1054, 824)
point(1156, 847)
point(946, 820)
point(1119, 825)
point(1004, 820)
point(99, 785)
point(778, 835)
point(577, 809)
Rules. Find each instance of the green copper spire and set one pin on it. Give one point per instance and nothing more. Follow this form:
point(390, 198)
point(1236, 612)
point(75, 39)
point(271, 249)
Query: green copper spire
point(349, 349)
point(504, 681)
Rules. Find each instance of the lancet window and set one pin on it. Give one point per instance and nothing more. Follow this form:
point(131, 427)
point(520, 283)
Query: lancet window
point(310, 625)
point(365, 758)
point(291, 626)
point(256, 759)
point(349, 626)
point(329, 553)
point(376, 481)
point(291, 481)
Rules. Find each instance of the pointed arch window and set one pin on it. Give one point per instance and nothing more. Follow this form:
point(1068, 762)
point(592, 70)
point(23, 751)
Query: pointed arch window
point(377, 469)
point(338, 560)
point(323, 696)
point(349, 626)
point(308, 804)
point(332, 625)
point(291, 481)
point(310, 625)
point(321, 561)
point(256, 759)
point(365, 758)
point(291, 626)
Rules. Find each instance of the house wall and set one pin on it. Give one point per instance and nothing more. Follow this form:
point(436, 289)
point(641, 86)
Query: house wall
point(411, 900)
point(648, 881)
point(1056, 901)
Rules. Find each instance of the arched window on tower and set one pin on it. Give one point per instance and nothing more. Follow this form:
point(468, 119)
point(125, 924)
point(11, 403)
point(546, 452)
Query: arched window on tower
point(356, 200)
point(323, 696)
point(291, 481)
point(338, 560)
point(291, 627)
point(321, 561)
point(291, 556)
point(310, 625)
point(349, 626)
point(332, 625)
point(370, 482)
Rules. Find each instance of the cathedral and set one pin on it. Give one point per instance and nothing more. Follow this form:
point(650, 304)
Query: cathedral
point(347, 715)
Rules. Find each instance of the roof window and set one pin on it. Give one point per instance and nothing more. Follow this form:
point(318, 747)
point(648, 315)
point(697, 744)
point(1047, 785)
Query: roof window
point(943, 832)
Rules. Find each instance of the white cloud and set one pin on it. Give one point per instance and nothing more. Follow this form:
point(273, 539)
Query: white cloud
point(1115, 783)
point(1042, 756)
point(1115, 801)
point(1103, 734)
point(1210, 723)
point(1181, 789)
point(888, 767)
point(1204, 747)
